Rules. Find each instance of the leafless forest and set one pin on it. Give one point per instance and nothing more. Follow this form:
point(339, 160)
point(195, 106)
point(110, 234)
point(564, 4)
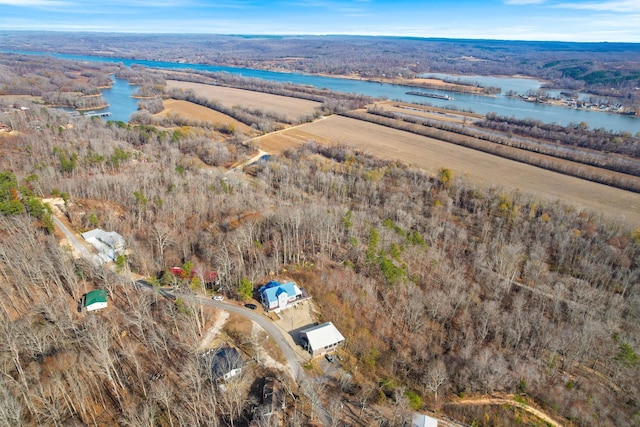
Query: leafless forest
point(443, 290)
point(603, 69)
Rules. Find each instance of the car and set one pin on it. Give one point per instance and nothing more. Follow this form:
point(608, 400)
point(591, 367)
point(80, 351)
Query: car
point(329, 357)
point(251, 306)
point(218, 298)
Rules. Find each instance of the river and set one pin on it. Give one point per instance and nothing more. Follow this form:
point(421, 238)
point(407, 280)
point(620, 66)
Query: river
point(500, 104)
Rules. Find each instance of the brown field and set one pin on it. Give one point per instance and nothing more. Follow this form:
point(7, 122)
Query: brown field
point(292, 107)
point(198, 112)
point(430, 155)
point(427, 112)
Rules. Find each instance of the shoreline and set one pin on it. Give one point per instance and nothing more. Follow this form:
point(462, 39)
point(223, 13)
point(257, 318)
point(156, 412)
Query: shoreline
point(438, 84)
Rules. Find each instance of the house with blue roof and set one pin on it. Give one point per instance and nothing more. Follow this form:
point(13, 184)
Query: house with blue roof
point(277, 296)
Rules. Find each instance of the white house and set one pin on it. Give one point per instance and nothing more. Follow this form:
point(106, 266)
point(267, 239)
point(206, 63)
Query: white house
point(109, 244)
point(321, 339)
point(421, 420)
point(278, 296)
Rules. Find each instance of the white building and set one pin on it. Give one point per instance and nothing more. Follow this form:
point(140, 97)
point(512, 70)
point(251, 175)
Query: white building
point(321, 339)
point(421, 420)
point(277, 296)
point(95, 300)
point(109, 244)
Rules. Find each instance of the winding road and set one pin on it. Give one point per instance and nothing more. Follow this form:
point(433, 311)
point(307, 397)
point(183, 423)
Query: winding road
point(293, 361)
point(274, 332)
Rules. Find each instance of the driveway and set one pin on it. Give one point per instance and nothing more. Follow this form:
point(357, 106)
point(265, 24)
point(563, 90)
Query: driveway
point(75, 243)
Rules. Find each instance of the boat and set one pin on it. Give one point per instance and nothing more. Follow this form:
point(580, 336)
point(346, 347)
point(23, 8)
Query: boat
point(431, 95)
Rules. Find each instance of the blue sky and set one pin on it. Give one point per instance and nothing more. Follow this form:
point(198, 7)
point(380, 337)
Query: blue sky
point(564, 20)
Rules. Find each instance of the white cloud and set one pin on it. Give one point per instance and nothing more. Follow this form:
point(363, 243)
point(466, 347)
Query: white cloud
point(621, 6)
point(523, 2)
point(35, 3)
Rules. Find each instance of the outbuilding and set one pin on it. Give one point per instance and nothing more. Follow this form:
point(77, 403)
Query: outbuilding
point(321, 339)
point(95, 300)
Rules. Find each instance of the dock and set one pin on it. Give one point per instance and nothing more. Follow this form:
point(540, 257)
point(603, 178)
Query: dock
point(76, 114)
point(97, 114)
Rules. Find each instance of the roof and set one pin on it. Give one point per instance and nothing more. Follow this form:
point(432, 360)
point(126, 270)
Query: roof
point(94, 297)
point(421, 420)
point(92, 234)
point(323, 335)
point(226, 360)
point(110, 238)
point(208, 276)
point(271, 290)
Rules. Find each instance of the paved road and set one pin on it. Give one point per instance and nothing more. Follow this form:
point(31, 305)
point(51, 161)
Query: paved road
point(295, 368)
point(274, 332)
point(293, 362)
point(77, 245)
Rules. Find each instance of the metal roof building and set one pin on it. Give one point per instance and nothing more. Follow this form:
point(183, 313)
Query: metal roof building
point(108, 243)
point(321, 339)
point(277, 296)
point(95, 300)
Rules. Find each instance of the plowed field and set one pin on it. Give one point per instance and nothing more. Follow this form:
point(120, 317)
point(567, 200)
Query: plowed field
point(198, 112)
point(430, 154)
point(292, 107)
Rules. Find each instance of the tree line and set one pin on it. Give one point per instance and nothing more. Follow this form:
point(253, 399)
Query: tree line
point(442, 288)
point(454, 135)
point(530, 141)
point(605, 69)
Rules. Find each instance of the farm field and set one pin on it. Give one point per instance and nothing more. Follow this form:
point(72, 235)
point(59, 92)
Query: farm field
point(430, 155)
point(293, 107)
point(427, 112)
point(198, 112)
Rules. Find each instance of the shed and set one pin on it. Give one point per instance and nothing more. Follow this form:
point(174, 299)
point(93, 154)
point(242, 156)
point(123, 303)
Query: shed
point(321, 339)
point(95, 300)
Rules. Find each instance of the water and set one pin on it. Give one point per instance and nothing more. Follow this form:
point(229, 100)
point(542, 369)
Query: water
point(516, 84)
point(121, 105)
point(511, 107)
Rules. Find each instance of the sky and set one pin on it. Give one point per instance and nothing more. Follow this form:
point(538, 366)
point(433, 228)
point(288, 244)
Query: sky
point(557, 20)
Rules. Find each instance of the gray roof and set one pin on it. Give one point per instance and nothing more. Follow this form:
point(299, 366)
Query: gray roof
point(323, 335)
point(226, 360)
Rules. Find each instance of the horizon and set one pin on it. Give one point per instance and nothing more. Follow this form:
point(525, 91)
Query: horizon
point(613, 21)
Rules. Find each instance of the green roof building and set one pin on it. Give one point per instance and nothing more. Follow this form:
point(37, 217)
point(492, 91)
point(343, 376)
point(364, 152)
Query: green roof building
point(95, 300)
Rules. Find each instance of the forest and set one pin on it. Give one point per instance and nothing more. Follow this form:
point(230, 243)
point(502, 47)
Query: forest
point(602, 69)
point(443, 289)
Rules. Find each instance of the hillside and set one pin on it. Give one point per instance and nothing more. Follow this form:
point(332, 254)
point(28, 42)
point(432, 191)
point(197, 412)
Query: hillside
point(443, 289)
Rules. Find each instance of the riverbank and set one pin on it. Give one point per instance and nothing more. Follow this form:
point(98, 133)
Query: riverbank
point(579, 105)
point(418, 82)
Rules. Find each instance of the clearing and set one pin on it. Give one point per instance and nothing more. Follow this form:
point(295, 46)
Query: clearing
point(292, 107)
point(431, 154)
point(193, 111)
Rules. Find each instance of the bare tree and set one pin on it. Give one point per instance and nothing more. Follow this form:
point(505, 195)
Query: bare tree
point(434, 378)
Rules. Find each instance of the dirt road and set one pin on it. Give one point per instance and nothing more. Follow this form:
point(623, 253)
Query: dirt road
point(510, 401)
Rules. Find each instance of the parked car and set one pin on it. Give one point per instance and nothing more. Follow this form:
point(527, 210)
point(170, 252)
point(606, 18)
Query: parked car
point(218, 298)
point(330, 358)
point(251, 306)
